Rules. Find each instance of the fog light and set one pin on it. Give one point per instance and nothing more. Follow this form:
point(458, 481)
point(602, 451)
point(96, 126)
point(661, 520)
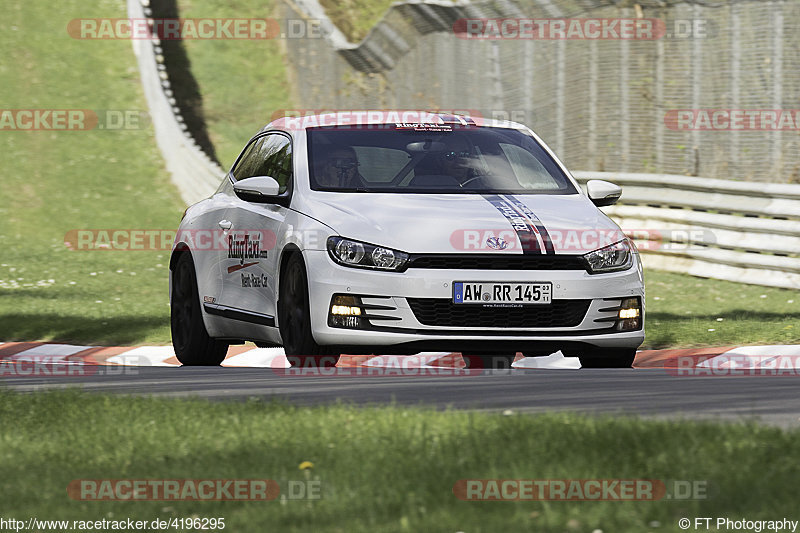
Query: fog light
point(345, 312)
point(630, 312)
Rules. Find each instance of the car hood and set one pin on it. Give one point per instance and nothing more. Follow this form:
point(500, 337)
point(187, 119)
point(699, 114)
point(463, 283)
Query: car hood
point(464, 223)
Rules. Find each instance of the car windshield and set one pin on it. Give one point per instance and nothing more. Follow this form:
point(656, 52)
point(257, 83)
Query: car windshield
point(435, 158)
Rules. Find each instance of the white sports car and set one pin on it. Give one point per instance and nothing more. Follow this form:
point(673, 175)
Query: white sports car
point(376, 233)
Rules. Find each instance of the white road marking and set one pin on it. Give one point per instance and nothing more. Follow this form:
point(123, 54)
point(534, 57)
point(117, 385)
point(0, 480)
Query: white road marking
point(259, 358)
point(52, 350)
point(144, 356)
point(555, 361)
point(49, 353)
point(774, 350)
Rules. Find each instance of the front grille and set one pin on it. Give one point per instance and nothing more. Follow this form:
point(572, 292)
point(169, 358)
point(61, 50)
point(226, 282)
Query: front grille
point(497, 262)
point(443, 312)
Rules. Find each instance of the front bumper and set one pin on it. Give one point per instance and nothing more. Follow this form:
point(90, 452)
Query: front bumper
point(400, 329)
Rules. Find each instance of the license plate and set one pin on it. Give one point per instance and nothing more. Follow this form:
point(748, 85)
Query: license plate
point(481, 292)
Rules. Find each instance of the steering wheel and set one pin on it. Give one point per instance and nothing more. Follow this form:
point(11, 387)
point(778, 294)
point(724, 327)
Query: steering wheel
point(473, 178)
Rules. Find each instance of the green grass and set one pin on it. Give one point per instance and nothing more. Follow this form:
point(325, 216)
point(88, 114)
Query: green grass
point(687, 311)
point(384, 468)
point(243, 82)
point(54, 182)
point(355, 17)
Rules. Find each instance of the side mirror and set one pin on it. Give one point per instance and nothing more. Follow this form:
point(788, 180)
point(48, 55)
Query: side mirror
point(603, 193)
point(257, 189)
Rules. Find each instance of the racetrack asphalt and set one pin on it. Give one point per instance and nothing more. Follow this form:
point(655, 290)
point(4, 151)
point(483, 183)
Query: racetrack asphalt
point(652, 392)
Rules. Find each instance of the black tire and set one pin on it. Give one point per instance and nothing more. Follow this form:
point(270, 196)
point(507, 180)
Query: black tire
point(492, 361)
point(608, 358)
point(193, 346)
point(294, 319)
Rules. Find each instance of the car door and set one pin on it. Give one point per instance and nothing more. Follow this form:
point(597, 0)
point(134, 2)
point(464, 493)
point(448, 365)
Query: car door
point(249, 271)
point(201, 232)
point(215, 254)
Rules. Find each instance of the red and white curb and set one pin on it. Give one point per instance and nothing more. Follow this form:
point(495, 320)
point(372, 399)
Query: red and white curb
point(252, 357)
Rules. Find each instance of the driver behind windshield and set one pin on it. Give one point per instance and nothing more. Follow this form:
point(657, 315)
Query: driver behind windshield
point(458, 159)
point(338, 168)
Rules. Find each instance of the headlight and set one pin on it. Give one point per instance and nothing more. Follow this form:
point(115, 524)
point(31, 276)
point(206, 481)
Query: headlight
point(617, 256)
point(362, 255)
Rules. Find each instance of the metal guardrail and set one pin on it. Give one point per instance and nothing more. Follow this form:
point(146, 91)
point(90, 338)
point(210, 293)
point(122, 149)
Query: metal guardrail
point(192, 171)
point(736, 231)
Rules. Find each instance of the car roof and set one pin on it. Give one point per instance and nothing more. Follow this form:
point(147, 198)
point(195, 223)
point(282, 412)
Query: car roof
point(358, 117)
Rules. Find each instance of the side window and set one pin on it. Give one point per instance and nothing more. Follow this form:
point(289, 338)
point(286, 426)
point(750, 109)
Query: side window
point(276, 160)
point(270, 155)
point(249, 162)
